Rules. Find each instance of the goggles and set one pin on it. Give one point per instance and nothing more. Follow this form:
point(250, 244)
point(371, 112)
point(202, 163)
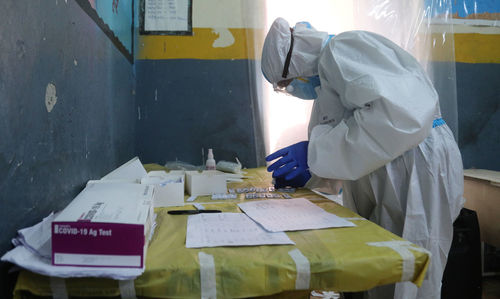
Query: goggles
point(280, 86)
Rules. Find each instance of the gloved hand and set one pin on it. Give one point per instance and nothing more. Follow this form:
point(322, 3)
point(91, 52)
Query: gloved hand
point(292, 162)
point(298, 181)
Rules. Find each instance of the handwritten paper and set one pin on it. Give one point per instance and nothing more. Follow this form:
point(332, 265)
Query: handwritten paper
point(166, 15)
point(280, 215)
point(229, 229)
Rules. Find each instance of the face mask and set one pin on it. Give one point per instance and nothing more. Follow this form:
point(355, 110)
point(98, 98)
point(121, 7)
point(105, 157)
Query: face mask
point(303, 87)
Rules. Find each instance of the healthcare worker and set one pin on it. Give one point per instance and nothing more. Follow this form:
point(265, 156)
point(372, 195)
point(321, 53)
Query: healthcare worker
point(375, 125)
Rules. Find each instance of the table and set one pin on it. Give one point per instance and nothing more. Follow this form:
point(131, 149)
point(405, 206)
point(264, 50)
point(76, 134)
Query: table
point(482, 194)
point(340, 259)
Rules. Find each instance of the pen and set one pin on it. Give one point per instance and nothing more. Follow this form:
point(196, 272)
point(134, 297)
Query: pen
point(191, 212)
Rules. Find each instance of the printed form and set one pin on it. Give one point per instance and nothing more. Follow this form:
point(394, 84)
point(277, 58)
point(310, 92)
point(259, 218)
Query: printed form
point(229, 229)
point(294, 214)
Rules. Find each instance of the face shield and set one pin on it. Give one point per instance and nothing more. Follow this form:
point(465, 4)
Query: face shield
point(289, 53)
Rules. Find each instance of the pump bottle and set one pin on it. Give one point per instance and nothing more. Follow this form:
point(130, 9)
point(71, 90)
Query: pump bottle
point(210, 164)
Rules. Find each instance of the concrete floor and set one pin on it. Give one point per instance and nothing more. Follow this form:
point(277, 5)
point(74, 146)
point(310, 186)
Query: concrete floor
point(491, 287)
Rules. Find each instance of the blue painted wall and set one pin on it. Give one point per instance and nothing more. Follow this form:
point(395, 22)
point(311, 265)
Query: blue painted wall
point(478, 83)
point(46, 158)
point(190, 104)
point(192, 96)
point(463, 8)
point(478, 87)
point(478, 96)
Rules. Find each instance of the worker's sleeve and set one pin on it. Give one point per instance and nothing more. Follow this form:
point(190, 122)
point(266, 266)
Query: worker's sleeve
point(392, 99)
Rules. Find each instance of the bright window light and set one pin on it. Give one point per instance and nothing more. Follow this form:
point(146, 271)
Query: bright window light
point(286, 118)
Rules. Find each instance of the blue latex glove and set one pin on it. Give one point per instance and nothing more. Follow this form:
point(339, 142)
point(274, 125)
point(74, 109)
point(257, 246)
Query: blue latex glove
point(298, 181)
point(292, 162)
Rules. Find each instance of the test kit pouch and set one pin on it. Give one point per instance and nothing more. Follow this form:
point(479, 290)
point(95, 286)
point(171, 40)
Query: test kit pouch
point(462, 275)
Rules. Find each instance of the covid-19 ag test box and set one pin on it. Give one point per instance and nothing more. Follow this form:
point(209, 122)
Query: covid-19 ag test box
point(106, 225)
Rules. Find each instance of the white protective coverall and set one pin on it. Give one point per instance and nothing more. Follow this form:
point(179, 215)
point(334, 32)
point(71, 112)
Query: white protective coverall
point(372, 127)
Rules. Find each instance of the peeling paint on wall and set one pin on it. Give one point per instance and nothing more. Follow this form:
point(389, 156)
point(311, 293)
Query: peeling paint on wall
point(21, 49)
point(50, 97)
point(86, 146)
point(225, 38)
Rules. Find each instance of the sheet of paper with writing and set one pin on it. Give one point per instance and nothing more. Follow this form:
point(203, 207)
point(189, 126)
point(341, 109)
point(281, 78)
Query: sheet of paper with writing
point(229, 229)
point(291, 215)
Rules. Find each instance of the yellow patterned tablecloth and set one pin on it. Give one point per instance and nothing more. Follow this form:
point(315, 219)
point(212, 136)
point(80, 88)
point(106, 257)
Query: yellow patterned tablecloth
point(341, 259)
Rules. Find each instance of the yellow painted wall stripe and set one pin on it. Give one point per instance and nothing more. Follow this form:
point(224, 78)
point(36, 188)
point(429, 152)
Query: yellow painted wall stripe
point(469, 47)
point(477, 48)
point(200, 45)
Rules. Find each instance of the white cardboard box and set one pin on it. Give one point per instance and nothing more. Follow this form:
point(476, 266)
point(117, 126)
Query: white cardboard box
point(205, 183)
point(132, 171)
point(169, 188)
point(106, 225)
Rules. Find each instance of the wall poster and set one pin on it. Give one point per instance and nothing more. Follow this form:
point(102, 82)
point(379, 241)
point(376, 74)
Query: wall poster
point(166, 17)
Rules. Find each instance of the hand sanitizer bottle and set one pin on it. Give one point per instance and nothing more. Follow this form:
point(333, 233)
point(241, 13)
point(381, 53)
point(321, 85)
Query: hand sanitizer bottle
point(210, 164)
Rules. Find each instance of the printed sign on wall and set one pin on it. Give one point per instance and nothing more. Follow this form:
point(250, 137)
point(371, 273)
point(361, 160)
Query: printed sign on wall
point(166, 17)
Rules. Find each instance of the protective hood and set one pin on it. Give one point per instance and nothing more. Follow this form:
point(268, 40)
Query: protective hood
point(306, 49)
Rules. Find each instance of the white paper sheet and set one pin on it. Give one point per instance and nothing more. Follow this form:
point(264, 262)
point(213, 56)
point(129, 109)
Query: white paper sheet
point(169, 15)
point(229, 229)
point(36, 238)
point(294, 214)
point(26, 259)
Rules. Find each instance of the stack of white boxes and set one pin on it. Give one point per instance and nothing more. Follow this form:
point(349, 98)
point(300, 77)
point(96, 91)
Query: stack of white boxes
point(106, 225)
point(169, 187)
point(205, 183)
point(109, 223)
